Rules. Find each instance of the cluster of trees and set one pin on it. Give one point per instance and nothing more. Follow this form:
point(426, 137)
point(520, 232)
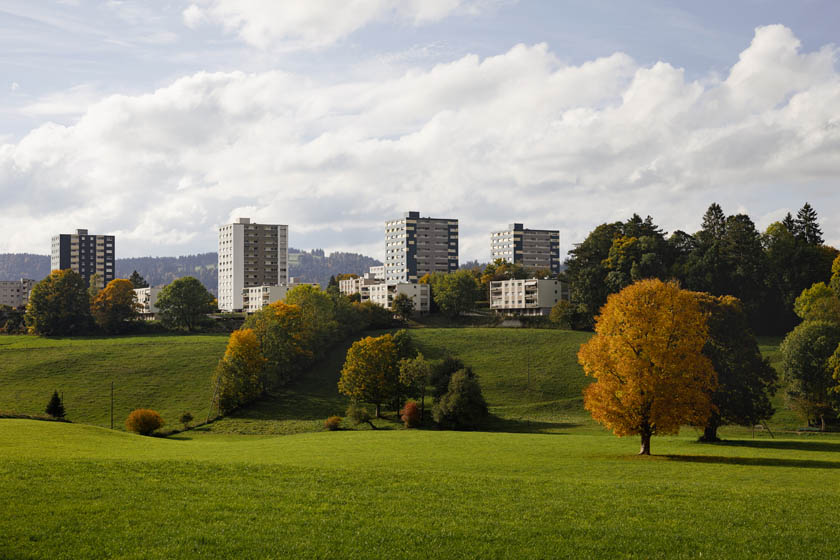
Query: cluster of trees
point(284, 339)
point(728, 256)
point(454, 294)
point(388, 369)
point(664, 357)
point(64, 304)
point(811, 353)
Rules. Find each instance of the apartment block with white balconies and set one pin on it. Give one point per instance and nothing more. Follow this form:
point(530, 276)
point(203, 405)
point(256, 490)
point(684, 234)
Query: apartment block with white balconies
point(525, 297)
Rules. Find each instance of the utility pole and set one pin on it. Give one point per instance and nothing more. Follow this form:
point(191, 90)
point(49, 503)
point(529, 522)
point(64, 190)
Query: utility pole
point(112, 405)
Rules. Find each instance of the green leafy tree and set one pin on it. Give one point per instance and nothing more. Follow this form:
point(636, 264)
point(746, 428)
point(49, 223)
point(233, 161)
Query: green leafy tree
point(185, 303)
point(285, 339)
point(819, 302)
point(186, 419)
point(114, 306)
point(371, 371)
point(137, 281)
point(746, 381)
point(415, 375)
point(59, 305)
point(403, 306)
point(318, 313)
point(462, 406)
point(567, 315)
point(442, 374)
point(806, 352)
point(455, 293)
point(55, 407)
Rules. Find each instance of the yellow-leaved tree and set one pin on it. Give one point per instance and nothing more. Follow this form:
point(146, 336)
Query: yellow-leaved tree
point(238, 377)
point(371, 370)
point(646, 357)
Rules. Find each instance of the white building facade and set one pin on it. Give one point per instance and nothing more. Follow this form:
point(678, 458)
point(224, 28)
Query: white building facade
point(250, 255)
point(525, 297)
point(257, 297)
point(147, 300)
point(384, 294)
point(15, 293)
point(359, 286)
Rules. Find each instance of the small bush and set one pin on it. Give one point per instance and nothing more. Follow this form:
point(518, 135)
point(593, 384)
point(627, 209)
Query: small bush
point(143, 421)
point(410, 415)
point(332, 423)
point(359, 415)
point(186, 419)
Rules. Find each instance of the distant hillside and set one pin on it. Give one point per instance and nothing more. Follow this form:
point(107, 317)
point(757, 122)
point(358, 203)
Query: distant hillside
point(306, 266)
point(14, 266)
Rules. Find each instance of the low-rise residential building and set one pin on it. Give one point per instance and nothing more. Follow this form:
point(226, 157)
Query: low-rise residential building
point(525, 297)
point(147, 300)
point(359, 286)
point(384, 294)
point(257, 297)
point(15, 293)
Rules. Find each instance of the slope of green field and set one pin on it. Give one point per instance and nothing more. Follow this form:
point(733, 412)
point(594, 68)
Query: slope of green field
point(169, 373)
point(77, 492)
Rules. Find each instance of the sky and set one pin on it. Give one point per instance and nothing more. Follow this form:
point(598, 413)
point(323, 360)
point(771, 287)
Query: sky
point(157, 121)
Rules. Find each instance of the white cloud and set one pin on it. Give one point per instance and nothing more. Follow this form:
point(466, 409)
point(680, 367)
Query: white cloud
point(315, 24)
point(14, 86)
point(515, 137)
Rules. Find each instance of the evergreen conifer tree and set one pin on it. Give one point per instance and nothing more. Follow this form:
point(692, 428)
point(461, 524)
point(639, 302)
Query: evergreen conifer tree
point(55, 407)
point(807, 228)
point(138, 281)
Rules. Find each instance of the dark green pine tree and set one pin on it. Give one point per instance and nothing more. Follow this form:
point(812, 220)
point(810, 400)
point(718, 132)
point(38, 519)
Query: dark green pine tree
point(55, 407)
point(138, 281)
point(807, 228)
point(789, 223)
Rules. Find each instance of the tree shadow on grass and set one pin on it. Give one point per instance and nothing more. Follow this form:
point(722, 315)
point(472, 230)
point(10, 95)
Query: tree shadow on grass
point(755, 461)
point(523, 426)
point(823, 446)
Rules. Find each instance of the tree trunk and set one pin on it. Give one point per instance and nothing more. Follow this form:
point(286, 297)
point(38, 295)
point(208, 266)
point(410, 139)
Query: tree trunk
point(822, 422)
point(378, 410)
point(645, 450)
point(645, 433)
point(422, 404)
point(710, 430)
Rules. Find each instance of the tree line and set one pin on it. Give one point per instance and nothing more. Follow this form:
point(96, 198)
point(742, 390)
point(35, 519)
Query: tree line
point(727, 256)
point(63, 304)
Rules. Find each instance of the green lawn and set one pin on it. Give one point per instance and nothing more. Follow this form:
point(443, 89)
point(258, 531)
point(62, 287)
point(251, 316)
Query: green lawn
point(169, 373)
point(74, 491)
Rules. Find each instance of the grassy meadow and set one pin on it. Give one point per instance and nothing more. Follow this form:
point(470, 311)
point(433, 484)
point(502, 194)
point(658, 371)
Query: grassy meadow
point(543, 481)
point(75, 491)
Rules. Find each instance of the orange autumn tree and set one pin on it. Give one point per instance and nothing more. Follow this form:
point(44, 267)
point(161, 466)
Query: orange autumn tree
point(238, 377)
point(371, 371)
point(646, 357)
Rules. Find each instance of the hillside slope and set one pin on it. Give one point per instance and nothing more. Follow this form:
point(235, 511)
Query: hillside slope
point(168, 373)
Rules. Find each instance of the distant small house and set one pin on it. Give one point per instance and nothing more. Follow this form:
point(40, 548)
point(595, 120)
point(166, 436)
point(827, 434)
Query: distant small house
point(525, 297)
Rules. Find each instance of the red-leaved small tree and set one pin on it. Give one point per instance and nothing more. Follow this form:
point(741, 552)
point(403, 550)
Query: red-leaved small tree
point(410, 415)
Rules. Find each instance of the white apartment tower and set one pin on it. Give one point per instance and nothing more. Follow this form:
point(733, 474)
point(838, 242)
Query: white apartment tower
point(532, 248)
point(416, 246)
point(250, 255)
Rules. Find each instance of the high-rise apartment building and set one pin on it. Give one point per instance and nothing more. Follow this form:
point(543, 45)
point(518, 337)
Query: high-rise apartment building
point(250, 255)
point(416, 246)
point(532, 248)
point(84, 253)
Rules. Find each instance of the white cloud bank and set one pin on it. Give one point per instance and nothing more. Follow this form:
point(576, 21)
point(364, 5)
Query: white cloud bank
point(292, 25)
point(515, 137)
